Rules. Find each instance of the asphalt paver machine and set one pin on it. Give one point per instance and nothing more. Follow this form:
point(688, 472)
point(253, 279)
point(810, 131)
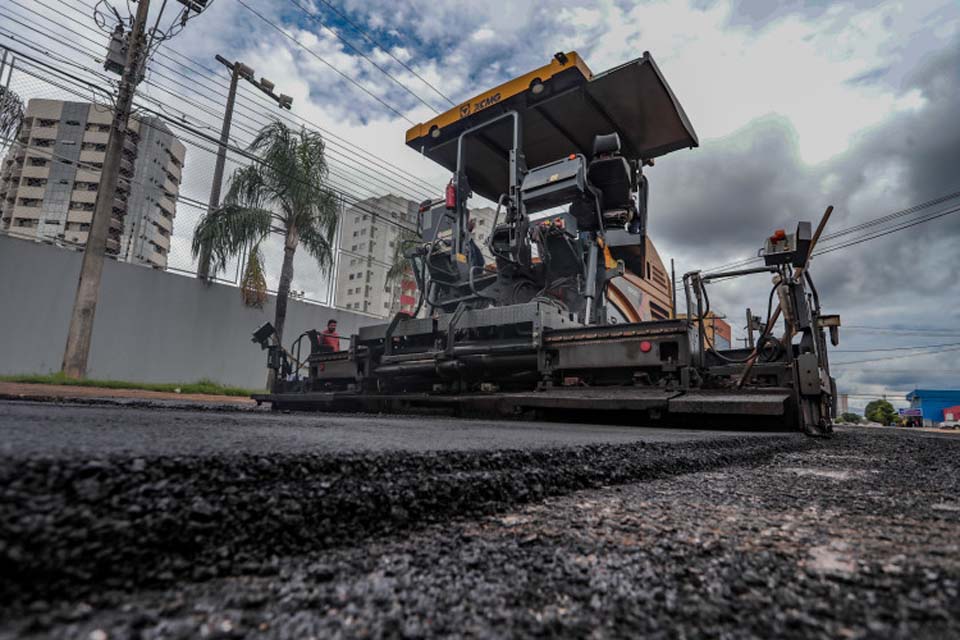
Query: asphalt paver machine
point(562, 153)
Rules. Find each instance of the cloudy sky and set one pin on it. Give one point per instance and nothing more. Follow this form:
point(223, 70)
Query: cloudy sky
point(798, 104)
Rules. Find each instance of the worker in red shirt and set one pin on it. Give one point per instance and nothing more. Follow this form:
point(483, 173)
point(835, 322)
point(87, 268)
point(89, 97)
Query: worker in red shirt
point(329, 338)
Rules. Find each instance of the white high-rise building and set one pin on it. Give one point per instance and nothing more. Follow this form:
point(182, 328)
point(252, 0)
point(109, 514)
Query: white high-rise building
point(51, 173)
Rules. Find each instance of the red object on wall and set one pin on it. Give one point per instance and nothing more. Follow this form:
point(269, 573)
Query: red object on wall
point(451, 196)
point(407, 300)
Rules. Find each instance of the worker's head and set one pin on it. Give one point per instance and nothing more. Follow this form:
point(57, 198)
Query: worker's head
point(331, 325)
point(471, 225)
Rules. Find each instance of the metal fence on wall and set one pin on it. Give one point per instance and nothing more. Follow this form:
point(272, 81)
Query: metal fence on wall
point(34, 75)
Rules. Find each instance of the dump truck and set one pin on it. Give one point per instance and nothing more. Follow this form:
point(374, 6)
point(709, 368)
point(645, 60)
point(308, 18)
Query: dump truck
point(546, 329)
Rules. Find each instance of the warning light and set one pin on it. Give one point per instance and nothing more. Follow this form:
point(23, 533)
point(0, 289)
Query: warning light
point(645, 346)
point(573, 156)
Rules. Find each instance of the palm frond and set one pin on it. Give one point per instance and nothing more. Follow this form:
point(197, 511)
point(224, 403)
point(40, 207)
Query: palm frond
point(318, 239)
point(227, 231)
point(287, 188)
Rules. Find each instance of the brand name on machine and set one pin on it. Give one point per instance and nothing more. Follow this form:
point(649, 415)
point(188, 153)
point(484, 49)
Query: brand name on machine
point(479, 105)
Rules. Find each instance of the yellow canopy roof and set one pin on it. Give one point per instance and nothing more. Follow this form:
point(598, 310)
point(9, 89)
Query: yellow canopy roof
point(561, 117)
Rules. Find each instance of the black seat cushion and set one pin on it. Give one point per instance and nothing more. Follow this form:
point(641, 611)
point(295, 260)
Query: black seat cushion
point(612, 177)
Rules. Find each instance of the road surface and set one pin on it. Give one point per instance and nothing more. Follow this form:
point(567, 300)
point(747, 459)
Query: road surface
point(76, 430)
point(123, 522)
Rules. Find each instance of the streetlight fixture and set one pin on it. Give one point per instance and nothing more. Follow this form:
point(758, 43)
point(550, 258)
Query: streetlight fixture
point(237, 70)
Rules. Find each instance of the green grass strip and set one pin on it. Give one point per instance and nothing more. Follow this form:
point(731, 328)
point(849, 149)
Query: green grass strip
point(200, 386)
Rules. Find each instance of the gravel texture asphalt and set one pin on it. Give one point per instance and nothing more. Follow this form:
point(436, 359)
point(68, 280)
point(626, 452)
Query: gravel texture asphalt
point(855, 536)
point(71, 430)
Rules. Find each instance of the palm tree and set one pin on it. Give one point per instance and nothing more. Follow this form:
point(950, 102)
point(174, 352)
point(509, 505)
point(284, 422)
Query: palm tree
point(284, 192)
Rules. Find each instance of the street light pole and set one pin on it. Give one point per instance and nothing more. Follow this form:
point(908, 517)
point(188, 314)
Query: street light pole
point(85, 304)
point(237, 70)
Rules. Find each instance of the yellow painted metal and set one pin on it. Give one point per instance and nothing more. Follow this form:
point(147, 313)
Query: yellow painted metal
point(499, 93)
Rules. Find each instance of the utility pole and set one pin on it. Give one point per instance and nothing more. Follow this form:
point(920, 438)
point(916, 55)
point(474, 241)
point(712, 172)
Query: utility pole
point(85, 304)
point(237, 70)
point(749, 328)
point(77, 351)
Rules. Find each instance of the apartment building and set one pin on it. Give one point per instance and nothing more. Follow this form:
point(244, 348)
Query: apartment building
point(50, 177)
point(369, 234)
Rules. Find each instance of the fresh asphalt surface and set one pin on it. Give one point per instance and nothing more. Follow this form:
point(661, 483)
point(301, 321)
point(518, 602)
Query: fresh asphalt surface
point(151, 523)
point(46, 429)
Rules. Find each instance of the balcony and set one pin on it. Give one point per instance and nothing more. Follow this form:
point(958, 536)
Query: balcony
point(156, 259)
point(76, 215)
point(83, 195)
point(113, 246)
point(96, 137)
point(168, 205)
point(130, 145)
point(165, 223)
point(169, 186)
point(154, 236)
point(174, 170)
point(29, 213)
point(79, 237)
point(119, 206)
point(31, 192)
point(126, 168)
point(34, 172)
point(44, 133)
point(90, 156)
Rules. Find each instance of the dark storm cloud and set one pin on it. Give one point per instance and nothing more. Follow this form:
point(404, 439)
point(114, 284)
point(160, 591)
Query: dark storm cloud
point(723, 198)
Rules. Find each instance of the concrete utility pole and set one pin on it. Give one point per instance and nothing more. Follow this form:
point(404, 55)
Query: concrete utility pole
point(237, 70)
point(85, 304)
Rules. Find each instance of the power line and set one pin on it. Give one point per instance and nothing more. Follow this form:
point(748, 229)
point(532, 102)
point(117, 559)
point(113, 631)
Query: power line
point(842, 232)
point(324, 61)
point(385, 49)
point(183, 116)
point(350, 148)
point(908, 355)
point(923, 346)
point(358, 203)
point(344, 157)
point(363, 55)
point(905, 330)
point(888, 232)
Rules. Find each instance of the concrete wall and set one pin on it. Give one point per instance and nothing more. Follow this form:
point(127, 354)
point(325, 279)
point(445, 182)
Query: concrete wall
point(151, 326)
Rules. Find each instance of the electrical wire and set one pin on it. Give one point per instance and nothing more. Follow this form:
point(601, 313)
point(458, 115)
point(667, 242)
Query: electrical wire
point(363, 55)
point(243, 102)
point(386, 50)
point(906, 331)
point(279, 29)
point(355, 202)
point(908, 355)
point(361, 169)
point(914, 348)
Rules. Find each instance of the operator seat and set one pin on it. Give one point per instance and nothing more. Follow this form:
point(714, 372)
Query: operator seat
point(609, 174)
